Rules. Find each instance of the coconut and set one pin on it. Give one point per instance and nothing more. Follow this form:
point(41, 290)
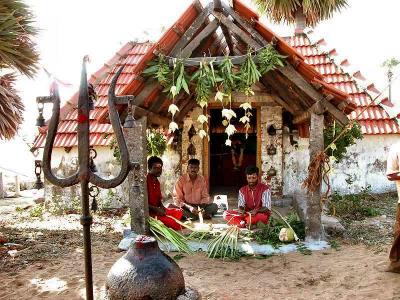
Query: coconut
point(286, 235)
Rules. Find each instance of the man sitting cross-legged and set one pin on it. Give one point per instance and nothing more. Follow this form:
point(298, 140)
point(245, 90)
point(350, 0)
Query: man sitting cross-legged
point(156, 208)
point(254, 202)
point(191, 193)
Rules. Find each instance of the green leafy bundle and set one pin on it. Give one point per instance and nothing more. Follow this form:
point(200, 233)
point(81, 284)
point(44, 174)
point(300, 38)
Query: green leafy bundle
point(349, 138)
point(156, 143)
point(225, 245)
point(160, 230)
point(269, 59)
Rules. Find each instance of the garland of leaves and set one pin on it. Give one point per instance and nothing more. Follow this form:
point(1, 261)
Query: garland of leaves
point(223, 81)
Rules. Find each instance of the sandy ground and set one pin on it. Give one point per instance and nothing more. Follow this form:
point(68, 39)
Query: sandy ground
point(350, 273)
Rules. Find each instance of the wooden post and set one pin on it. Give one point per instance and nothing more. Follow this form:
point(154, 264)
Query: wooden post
point(136, 142)
point(314, 230)
point(17, 187)
point(2, 194)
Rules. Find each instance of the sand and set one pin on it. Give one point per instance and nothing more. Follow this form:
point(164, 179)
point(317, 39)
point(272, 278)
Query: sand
point(350, 273)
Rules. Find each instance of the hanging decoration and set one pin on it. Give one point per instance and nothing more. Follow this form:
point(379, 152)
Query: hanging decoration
point(225, 79)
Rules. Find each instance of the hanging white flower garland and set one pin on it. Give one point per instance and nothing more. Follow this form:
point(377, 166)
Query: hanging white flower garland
point(225, 80)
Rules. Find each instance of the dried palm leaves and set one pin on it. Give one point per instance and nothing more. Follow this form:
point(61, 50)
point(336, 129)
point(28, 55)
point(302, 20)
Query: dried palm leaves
point(11, 107)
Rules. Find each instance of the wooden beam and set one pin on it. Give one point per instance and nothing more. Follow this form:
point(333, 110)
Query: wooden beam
point(207, 31)
point(152, 117)
point(293, 108)
point(290, 73)
point(190, 32)
point(253, 33)
point(235, 29)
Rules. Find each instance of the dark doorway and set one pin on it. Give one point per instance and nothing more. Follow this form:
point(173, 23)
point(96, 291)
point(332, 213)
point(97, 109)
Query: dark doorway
point(227, 164)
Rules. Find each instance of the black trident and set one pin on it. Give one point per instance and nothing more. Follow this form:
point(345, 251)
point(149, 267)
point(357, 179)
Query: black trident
point(85, 175)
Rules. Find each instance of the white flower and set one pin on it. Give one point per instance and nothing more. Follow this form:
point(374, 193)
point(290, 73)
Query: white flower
point(228, 113)
point(244, 119)
point(203, 103)
point(332, 159)
point(245, 106)
point(202, 119)
point(228, 142)
point(230, 130)
point(173, 109)
point(219, 96)
point(225, 122)
point(172, 127)
point(173, 90)
point(202, 133)
point(333, 147)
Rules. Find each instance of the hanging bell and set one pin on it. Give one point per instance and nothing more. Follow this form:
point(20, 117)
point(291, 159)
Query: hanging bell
point(92, 166)
point(38, 171)
point(40, 120)
point(39, 183)
point(94, 206)
point(271, 172)
point(93, 155)
point(129, 120)
point(271, 150)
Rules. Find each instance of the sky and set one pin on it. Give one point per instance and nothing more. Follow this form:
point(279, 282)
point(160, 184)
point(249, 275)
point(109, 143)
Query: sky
point(364, 33)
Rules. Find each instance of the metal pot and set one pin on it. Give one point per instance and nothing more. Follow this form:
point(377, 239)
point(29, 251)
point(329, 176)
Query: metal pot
point(145, 272)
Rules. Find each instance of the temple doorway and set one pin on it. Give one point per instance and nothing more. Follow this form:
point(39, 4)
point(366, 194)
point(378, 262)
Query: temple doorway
point(227, 164)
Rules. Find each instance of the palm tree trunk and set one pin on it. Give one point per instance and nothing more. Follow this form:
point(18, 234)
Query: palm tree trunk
point(300, 22)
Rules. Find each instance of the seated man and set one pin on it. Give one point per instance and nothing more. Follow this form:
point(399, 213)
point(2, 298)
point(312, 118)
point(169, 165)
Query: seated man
point(191, 193)
point(156, 208)
point(254, 202)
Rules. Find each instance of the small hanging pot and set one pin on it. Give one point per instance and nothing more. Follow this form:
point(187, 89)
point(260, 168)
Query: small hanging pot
point(271, 150)
point(271, 172)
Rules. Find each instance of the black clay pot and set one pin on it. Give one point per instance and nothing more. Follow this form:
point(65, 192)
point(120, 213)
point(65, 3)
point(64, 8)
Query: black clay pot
point(145, 272)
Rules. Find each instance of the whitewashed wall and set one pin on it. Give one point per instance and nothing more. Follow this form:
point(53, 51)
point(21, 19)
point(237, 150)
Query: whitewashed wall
point(364, 165)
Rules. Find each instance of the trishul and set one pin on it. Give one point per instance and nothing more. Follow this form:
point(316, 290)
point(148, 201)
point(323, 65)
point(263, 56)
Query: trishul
point(84, 175)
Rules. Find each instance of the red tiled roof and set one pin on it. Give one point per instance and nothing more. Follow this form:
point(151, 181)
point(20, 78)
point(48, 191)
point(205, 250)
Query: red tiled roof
point(313, 64)
point(375, 119)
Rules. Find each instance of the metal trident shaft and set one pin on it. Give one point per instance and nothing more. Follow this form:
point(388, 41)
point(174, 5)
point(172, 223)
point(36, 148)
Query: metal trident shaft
point(84, 175)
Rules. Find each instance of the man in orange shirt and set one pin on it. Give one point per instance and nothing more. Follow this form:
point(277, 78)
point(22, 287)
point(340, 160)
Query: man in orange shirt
point(393, 174)
point(191, 193)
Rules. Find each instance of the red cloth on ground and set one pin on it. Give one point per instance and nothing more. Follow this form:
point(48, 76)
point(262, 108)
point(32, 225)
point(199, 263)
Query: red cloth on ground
point(234, 218)
point(171, 223)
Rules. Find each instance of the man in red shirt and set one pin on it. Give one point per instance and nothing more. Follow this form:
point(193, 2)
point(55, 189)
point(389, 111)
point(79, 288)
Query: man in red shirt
point(254, 202)
point(156, 208)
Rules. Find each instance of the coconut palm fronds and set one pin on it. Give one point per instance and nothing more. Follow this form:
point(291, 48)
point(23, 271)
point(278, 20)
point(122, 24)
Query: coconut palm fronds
point(161, 231)
point(11, 107)
point(17, 49)
point(313, 10)
point(225, 245)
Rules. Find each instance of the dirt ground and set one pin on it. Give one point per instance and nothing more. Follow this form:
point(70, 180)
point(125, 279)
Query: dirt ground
point(48, 264)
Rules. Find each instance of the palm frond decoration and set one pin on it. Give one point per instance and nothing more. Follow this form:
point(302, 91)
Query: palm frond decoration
point(285, 11)
point(11, 107)
point(17, 49)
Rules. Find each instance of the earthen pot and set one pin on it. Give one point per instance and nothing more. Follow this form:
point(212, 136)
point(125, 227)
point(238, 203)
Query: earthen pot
point(145, 272)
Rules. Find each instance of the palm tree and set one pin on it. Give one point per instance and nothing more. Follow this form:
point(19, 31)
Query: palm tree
point(17, 52)
point(301, 12)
